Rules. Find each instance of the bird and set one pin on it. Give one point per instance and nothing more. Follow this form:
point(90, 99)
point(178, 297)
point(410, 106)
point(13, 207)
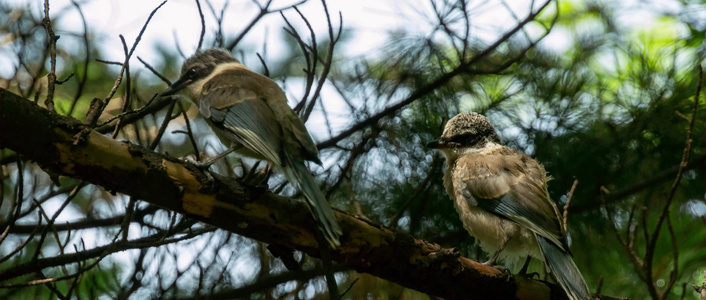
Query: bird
point(501, 197)
point(249, 112)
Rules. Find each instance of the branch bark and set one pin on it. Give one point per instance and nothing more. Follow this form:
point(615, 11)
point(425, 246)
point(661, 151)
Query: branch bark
point(62, 145)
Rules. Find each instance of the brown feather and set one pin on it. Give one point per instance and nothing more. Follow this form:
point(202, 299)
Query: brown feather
point(492, 174)
point(252, 86)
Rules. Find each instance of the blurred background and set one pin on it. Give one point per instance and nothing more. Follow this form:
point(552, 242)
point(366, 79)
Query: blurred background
point(601, 93)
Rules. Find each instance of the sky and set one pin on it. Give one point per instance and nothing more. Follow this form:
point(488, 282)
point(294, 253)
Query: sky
point(370, 20)
point(177, 25)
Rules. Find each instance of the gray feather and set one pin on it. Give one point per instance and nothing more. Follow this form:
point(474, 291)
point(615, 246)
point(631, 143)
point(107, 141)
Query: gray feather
point(249, 109)
point(298, 174)
point(513, 186)
point(250, 123)
point(513, 206)
point(564, 269)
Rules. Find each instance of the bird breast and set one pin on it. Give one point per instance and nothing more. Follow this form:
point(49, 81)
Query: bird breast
point(492, 231)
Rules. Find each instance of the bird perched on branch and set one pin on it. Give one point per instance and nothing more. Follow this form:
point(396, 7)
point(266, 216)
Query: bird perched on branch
point(249, 112)
point(502, 199)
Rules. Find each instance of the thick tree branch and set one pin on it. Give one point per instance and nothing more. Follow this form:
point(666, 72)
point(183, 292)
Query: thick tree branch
point(54, 142)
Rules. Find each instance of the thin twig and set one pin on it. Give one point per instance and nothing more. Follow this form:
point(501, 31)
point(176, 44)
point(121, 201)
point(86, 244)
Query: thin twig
point(264, 10)
point(92, 118)
point(350, 286)
point(165, 123)
point(266, 71)
point(155, 72)
point(421, 187)
point(333, 39)
point(189, 132)
point(568, 204)
point(51, 77)
point(436, 83)
point(126, 98)
point(675, 256)
point(108, 62)
point(652, 241)
point(86, 59)
point(51, 221)
point(127, 113)
point(203, 25)
point(60, 82)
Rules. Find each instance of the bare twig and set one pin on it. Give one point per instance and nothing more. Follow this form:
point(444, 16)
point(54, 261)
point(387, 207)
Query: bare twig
point(333, 39)
point(86, 59)
point(126, 99)
point(155, 72)
point(203, 25)
point(189, 132)
point(652, 241)
point(51, 221)
point(264, 66)
point(117, 63)
point(264, 10)
point(568, 204)
point(424, 90)
point(49, 102)
point(219, 20)
point(60, 82)
point(673, 275)
point(131, 112)
point(93, 116)
point(101, 251)
point(165, 123)
point(350, 287)
point(422, 187)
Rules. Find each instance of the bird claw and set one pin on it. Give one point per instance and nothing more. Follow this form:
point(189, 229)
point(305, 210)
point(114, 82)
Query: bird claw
point(191, 160)
point(530, 275)
point(493, 263)
point(207, 181)
point(202, 165)
point(257, 179)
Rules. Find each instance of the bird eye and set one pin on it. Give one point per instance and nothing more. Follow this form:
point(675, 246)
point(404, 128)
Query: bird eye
point(463, 137)
point(191, 74)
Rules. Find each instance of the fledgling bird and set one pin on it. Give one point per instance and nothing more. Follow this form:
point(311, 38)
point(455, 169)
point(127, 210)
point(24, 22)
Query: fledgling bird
point(249, 112)
point(502, 199)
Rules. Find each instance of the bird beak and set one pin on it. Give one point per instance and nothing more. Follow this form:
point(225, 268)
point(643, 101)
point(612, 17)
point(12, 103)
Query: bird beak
point(176, 87)
point(437, 145)
point(442, 144)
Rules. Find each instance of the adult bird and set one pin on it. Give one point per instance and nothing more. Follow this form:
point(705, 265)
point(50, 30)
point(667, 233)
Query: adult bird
point(502, 199)
point(249, 112)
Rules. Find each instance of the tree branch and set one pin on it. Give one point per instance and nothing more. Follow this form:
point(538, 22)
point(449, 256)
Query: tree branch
point(48, 139)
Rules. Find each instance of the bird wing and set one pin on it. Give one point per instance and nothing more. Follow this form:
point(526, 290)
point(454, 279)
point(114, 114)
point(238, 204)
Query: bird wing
point(302, 135)
point(302, 143)
point(244, 118)
point(511, 185)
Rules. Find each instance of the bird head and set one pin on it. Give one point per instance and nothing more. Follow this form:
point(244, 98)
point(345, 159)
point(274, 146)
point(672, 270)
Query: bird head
point(465, 132)
point(197, 69)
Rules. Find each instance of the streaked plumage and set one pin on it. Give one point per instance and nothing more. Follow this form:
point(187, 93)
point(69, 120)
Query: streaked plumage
point(250, 111)
point(501, 197)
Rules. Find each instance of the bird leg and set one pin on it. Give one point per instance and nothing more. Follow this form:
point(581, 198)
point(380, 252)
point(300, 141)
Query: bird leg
point(257, 179)
point(523, 271)
point(207, 164)
point(496, 254)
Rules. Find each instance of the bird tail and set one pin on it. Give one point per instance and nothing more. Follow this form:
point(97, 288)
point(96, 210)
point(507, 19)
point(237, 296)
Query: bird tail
point(299, 175)
point(562, 265)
